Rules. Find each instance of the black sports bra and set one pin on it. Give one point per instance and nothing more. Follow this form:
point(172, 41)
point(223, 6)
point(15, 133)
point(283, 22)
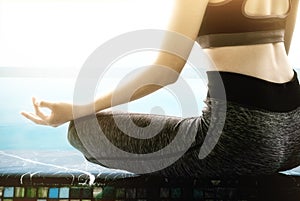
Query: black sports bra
point(227, 24)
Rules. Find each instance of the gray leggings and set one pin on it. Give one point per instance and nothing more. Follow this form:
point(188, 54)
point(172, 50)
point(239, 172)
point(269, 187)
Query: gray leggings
point(252, 142)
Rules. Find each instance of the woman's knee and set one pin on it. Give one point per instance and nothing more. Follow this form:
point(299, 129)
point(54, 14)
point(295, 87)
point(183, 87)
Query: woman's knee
point(73, 137)
point(71, 132)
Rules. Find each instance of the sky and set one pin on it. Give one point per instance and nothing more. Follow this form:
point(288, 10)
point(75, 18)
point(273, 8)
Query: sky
point(62, 34)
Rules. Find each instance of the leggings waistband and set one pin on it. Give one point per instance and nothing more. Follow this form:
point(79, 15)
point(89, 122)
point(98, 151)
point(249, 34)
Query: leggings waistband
point(254, 92)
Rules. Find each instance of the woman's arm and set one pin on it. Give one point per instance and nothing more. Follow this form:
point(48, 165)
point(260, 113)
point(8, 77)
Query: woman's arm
point(290, 25)
point(185, 20)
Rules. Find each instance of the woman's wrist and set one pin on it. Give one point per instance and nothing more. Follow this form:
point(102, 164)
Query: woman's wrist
point(83, 110)
point(103, 102)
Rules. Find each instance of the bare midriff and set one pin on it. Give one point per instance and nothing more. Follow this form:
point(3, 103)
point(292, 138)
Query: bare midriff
point(264, 61)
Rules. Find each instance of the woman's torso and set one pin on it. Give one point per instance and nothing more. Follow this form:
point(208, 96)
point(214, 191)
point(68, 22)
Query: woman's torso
point(267, 61)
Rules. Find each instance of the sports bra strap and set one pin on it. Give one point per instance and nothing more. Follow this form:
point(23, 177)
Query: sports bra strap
point(245, 38)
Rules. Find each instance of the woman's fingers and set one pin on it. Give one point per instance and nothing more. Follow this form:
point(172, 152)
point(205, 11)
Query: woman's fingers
point(42, 103)
point(46, 104)
point(37, 104)
point(59, 113)
point(34, 118)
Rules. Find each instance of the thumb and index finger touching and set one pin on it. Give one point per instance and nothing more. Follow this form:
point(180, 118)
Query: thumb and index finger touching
point(42, 103)
point(38, 116)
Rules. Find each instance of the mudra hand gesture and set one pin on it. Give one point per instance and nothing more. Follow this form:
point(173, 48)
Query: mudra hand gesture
point(60, 113)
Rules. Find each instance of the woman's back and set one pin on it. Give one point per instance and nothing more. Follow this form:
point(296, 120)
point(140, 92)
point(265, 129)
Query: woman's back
point(266, 60)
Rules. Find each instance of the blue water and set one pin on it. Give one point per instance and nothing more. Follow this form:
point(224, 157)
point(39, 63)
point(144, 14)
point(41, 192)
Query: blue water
point(18, 133)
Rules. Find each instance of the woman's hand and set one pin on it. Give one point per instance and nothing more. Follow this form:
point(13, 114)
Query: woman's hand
point(60, 113)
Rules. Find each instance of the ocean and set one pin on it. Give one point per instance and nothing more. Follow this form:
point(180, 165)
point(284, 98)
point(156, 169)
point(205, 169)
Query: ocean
point(18, 133)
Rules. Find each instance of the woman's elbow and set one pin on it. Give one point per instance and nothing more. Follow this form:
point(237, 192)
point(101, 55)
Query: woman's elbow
point(168, 78)
point(171, 79)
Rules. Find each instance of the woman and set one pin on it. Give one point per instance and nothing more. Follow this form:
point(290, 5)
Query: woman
point(248, 41)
